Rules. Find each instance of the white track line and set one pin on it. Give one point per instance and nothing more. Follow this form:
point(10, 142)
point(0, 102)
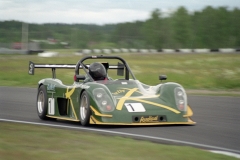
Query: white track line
point(226, 153)
point(128, 134)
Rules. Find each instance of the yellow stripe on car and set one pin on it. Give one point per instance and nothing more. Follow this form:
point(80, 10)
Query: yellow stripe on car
point(189, 112)
point(99, 114)
point(68, 96)
point(155, 104)
point(122, 100)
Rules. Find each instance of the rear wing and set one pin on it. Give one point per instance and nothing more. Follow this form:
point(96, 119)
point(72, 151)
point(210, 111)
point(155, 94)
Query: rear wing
point(32, 66)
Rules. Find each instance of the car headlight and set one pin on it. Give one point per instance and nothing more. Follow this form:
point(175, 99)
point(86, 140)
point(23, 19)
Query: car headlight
point(180, 98)
point(99, 95)
point(103, 100)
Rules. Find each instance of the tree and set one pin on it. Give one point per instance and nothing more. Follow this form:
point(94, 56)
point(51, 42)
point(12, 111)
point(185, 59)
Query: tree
point(153, 30)
point(235, 31)
point(127, 34)
point(181, 22)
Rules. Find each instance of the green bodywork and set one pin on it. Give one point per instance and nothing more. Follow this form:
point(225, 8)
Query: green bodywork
point(161, 104)
point(119, 101)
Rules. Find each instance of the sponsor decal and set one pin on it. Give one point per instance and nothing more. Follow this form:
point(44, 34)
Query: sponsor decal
point(149, 119)
point(119, 91)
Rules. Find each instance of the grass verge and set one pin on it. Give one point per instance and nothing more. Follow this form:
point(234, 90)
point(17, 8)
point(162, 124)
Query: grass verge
point(194, 71)
point(24, 141)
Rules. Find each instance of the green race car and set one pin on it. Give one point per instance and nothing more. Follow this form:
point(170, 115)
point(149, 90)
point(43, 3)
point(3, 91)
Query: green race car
point(105, 91)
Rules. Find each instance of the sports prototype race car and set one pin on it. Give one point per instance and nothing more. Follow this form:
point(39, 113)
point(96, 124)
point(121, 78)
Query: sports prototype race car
point(105, 91)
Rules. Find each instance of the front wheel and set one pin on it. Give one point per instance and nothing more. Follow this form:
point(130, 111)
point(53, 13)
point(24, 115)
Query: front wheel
point(85, 111)
point(42, 103)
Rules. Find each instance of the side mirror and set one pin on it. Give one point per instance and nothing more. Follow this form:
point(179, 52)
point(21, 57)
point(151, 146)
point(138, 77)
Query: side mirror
point(120, 70)
point(79, 77)
point(162, 77)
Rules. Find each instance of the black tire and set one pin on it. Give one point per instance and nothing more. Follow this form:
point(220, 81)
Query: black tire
point(42, 103)
point(84, 109)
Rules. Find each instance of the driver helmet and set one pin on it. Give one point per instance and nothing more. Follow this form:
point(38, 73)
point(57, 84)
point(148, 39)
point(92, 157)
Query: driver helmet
point(97, 71)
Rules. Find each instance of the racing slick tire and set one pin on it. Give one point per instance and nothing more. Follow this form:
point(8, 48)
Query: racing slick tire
point(42, 103)
point(85, 111)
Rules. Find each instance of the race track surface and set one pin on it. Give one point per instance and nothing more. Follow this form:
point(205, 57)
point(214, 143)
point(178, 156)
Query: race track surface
point(218, 120)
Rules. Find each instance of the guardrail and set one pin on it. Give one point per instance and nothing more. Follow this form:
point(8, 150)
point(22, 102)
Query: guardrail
point(125, 50)
point(133, 50)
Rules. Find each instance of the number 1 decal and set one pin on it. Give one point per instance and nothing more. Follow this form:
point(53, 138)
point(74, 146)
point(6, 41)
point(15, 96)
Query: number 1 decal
point(51, 106)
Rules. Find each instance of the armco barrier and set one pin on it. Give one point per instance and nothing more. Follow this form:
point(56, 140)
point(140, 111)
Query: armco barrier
point(202, 50)
point(97, 51)
point(131, 50)
point(227, 50)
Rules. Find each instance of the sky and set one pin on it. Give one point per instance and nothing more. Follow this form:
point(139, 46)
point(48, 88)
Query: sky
point(98, 11)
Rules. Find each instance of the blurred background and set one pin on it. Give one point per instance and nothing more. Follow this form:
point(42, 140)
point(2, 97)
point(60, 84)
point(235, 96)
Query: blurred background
point(130, 24)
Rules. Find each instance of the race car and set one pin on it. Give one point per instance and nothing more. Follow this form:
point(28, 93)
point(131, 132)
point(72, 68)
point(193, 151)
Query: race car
point(106, 92)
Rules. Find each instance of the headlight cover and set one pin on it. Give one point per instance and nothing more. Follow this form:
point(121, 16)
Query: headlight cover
point(103, 100)
point(180, 98)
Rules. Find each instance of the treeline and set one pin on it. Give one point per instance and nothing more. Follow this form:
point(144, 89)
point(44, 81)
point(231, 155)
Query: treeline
point(209, 28)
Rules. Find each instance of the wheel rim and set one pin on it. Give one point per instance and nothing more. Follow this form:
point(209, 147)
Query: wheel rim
point(40, 102)
point(83, 107)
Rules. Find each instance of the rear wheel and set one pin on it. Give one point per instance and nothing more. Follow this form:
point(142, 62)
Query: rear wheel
point(42, 103)
point(85, 111)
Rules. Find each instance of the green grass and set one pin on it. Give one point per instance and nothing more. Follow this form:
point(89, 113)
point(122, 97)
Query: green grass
point(194, 71)
point(25, 141)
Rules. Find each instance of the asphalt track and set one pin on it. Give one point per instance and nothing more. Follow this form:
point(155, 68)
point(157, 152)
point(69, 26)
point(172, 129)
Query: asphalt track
point(217, 128)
